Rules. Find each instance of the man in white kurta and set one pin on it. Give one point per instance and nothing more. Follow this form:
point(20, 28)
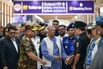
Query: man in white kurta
point(52, 50)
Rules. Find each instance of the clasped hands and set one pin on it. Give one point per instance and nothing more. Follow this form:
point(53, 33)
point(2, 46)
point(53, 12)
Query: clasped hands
point(69, 60)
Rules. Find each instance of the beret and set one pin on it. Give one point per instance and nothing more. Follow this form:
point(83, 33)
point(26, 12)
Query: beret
point(72, 25)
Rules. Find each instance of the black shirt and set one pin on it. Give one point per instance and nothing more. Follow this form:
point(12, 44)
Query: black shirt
point(82, 44)
point(56, 33)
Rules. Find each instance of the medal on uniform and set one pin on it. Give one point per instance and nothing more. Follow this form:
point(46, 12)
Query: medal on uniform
point(77, 44)
point(66, 46)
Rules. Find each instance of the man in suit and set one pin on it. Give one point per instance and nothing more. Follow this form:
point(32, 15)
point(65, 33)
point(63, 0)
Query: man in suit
point(97, 62)
point(9, 50)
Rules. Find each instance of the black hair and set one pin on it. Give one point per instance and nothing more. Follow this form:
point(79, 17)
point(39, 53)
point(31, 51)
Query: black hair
point(22, 25)
point(12, 27)
point(69, 28)
point(56, 21)
point(62, 26)
point(8, 25)
point(82, 28)
point(4, 31)
point(89, 31)
point(27, 27)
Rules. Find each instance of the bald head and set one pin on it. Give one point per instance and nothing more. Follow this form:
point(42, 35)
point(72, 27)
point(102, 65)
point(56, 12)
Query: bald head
point(50, 27)
point(50, 31)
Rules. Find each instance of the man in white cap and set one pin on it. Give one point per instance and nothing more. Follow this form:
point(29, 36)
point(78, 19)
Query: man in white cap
point(97, 61)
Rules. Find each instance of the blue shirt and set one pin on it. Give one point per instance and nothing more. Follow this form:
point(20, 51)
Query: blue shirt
point(69, 44)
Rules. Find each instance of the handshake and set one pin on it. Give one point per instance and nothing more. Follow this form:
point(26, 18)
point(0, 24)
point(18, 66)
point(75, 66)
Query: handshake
point(69, 60)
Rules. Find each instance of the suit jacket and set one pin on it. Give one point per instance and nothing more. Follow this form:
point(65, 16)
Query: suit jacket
point(8, 55)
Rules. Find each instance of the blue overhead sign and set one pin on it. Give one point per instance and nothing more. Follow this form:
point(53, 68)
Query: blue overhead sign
point(53, 7)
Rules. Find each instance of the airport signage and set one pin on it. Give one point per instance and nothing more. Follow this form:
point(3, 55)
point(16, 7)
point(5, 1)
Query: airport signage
point(53, 7)
point(80, 7)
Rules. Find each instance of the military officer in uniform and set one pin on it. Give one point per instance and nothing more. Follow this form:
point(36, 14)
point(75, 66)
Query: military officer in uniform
point(36, 41)
point(28, 53)
point(68, 44)
point(81, 44)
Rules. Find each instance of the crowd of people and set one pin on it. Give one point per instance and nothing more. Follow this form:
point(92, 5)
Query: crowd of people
point(41, 46)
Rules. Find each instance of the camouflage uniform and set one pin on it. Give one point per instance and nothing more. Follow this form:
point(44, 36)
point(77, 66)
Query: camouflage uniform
point(25, 61)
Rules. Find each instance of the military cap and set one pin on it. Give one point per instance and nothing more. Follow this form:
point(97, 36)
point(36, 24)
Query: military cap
point(42, 24)
point(34, 28)
point(99, 20)
point(72, 25)
point(80, 24)
point(41, 28)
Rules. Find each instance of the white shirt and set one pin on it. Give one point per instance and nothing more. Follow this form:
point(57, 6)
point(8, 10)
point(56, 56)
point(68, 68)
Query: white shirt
point(95, 49)
point(15, 44)
point(61, 38)
point(36, 42)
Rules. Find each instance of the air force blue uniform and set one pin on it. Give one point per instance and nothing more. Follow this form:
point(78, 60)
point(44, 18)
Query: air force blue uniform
point(68, 44)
